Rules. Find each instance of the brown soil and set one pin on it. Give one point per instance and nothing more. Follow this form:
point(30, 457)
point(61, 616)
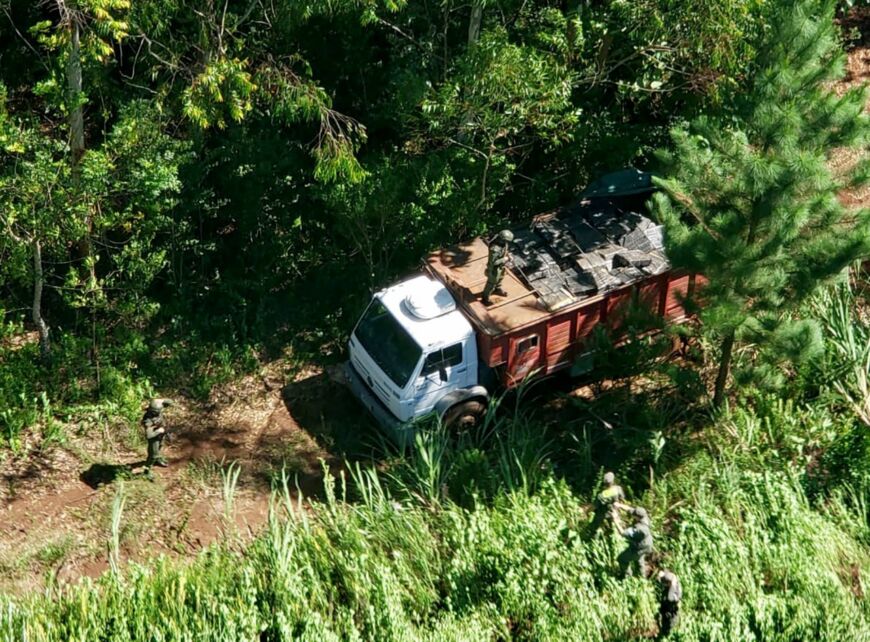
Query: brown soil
point(857, 75)
point(56, 501)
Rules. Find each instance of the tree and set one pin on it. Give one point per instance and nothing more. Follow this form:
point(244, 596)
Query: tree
point(85, 32)
point(131, 179)
point(240, 59)
point(31, 181)
point(750, 200)
point(503, 101)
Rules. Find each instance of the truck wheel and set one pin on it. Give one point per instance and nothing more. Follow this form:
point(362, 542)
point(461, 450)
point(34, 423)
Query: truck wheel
point(465, 415)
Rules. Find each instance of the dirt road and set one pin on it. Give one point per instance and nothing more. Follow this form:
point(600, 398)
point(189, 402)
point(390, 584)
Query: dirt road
point(56, 507)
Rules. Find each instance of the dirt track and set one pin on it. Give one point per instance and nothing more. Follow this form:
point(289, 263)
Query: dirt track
point(57, 503)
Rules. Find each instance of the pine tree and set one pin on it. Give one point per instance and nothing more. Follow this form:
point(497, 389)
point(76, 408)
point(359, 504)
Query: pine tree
point(749, 198)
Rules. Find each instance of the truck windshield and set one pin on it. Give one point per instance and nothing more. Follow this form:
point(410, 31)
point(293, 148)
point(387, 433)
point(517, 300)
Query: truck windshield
point(388, 343)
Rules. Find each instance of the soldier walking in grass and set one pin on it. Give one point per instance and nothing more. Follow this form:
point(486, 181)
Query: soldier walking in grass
point(607, 504)
point(155, 431)
point(639, 544)
point(669, 602)
point(496, 265)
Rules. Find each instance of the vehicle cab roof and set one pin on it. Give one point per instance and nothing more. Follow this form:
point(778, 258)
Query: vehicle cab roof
point(444, 324)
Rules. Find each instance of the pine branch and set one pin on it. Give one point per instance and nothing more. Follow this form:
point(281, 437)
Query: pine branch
point(689, 205)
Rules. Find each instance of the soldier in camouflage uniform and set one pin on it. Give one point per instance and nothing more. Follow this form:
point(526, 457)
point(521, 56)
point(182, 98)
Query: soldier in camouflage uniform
point(155, 431)
point(669, 602)
point(496, 264)
point(607, 504)
point(639, 544)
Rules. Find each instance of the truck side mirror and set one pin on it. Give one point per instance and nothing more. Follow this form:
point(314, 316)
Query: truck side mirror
point(442, 371)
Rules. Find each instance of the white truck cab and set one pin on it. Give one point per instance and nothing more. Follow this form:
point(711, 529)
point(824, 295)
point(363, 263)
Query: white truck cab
point(413, 353)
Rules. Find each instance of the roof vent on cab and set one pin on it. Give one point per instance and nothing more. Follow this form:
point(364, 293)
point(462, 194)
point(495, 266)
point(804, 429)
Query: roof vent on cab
point(429, 300)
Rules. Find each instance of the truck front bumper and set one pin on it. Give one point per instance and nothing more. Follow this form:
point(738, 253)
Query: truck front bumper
point(386, 419)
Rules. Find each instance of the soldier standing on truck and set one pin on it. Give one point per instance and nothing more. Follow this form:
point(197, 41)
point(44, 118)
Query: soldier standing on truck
point(607, 504)
point(639, 545)
point(496, 265)
point(155, 431)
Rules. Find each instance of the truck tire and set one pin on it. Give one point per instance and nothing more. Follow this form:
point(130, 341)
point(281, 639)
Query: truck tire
point(465, 415)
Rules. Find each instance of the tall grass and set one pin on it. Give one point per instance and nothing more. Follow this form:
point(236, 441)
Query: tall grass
point(229, 484)
point(847, 336)
point(476, 537)
point(508, 452)
point(757, 561)
point(114, 544)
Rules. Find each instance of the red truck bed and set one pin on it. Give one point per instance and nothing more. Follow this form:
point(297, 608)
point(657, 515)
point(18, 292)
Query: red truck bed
point(525, 331)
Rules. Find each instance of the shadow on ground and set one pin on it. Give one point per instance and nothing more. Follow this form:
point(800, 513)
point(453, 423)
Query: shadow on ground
point(102, 474)
point(325, 409)
point(630, 426)
point(298, 429)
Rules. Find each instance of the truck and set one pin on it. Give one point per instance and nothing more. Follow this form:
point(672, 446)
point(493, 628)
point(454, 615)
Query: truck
point(428, 345)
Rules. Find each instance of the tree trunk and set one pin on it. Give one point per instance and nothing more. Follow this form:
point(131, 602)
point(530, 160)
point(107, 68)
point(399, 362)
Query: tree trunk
point(474, 22)
point(724, 368)
point(41, 325)
point(572, 12)
point(603, 53)
point(74, 87)
point(77, 131)
point(77, 151)
point(464, 134)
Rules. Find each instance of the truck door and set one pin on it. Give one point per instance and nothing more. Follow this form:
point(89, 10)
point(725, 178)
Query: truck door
point(524, 357)
point(443, 370)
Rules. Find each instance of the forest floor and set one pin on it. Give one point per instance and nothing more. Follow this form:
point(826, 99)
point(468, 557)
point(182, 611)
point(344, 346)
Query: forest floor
point(56, 500)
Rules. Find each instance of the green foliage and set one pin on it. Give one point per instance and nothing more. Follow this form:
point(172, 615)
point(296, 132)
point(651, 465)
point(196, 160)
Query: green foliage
point(222, 89)
point(757, 562)
point(780, 433)
point(757, 535)
point(130, 181)
point(240, 156)
point(751, 203)
point(845, 369)
point(502, 91)
point(68, 389)
point(669, 45)
point(104, 22)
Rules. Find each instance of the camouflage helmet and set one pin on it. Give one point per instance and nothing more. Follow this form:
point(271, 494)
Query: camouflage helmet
point(505, 236)
point(640, 514)
point(609, 479)
point(667, 577)
point(157, 405)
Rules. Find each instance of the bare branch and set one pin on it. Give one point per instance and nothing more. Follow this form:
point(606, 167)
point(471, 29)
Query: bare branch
point(24, 39)
point(408, 37)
